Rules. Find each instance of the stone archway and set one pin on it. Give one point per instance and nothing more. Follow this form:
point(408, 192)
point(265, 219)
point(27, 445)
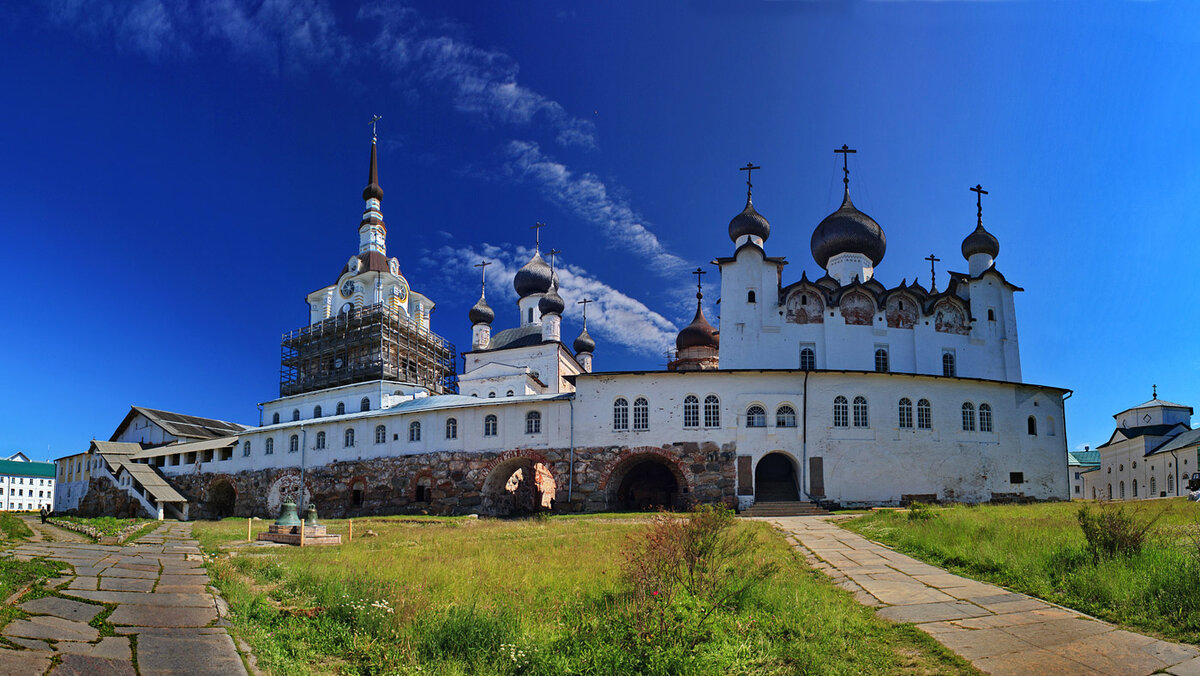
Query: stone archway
point(775, 479)
point(646, 481)
point(222, 498)
point(518, 486)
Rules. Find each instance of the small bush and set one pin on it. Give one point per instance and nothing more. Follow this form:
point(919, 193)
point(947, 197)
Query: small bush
point(1112, 530)
point(919, 511)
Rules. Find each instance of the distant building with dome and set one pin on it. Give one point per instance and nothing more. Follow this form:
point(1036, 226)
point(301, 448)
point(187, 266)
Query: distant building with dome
point(840, 390)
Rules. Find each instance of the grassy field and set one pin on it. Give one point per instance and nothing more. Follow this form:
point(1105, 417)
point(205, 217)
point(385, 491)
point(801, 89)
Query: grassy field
point(1041, 550)
point(541, 596)
point(12, 528)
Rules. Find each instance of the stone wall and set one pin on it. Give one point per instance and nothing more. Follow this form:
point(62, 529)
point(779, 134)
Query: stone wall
point(104, 498)
point(454, 482)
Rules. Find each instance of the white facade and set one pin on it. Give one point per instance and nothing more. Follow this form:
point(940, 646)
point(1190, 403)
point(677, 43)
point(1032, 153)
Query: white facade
point(1152, 453)
point(25, 485)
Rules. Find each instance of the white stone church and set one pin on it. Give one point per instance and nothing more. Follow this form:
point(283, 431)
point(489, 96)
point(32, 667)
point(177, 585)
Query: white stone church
point(841, 390)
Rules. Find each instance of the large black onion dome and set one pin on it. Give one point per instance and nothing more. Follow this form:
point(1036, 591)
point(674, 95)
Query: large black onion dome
point(373, 190)
point(749, 222)
point(848, 230)
point(551, 303)
point(534, 277)
point(697, 334)
point(980, 241)
point(481, 313)
point(584, 342)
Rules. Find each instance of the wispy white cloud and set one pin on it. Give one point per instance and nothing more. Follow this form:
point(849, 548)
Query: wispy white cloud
point(615, 317)
point(589, 198)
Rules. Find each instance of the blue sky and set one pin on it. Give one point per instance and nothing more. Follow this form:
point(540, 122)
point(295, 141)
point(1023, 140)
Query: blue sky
point(179, 175)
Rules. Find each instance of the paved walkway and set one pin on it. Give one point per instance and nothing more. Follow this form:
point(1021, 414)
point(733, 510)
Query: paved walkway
point(999, 631)
point(166, 619)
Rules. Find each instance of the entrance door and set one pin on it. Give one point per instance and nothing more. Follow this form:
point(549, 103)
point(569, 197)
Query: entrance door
point(775, 479)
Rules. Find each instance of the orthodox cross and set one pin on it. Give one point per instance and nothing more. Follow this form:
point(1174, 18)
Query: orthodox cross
point(552, 253)
point(537, 235)
point(699, 288)
point(932, 272)
point(584, 303)
point(979, 193)
point(749, 169)
point(845, 150)
point(482, 265)
point(1154, 392)
point(374, 120)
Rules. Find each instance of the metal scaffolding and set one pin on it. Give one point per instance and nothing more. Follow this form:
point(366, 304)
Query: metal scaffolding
point(375, 342)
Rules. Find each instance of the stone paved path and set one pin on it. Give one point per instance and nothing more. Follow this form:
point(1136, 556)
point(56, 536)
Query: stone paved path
point(165, 616)
point(999, 631)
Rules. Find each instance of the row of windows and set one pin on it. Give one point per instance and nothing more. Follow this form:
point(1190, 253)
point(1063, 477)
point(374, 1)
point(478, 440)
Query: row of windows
point(691, 412)
point(1153, 488)
point(20, 492)
point(808, 361)
point(491, 426)
point(363, 405)
point(20, 480)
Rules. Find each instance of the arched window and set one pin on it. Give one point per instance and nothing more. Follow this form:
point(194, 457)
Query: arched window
point(749, 296)
point(365, 404)
point(620, 414)
point(1153, 487)
point(785, 416)
point(948, 364)
point(533, 423)
point(295, 414)
point(414, 431)
point(808, 359)
point(860, 412)
point(1170, 484)
point(985, 418)
point(293, 443)
point(529, 316)
point(275, 418)
point(341, 408)
point(317, 411)
point(905, 411)
point(691, 411)
point(491, 395)
point(1134, 486)
point(269, 446)
point(380, 434)
point(712, 411)
point(756, 416)
point(348, 438)
point(320, 440)
point(968, 417)
point(451, 428)
point(881, 360)
point(489, 426)
point(924, 415)
point(1110, 491)
point(1122, 485)
point(508, 393)
point(991, 315)
point(641, 414)
point(1049, 426)
point(841, 412)
point(245, 449)
point(1031, 425)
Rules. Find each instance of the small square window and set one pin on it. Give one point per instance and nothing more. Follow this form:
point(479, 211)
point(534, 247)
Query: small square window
point(1016, 477)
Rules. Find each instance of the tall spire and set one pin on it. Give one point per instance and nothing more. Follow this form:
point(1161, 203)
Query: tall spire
point(372, 233)
point(373, 191)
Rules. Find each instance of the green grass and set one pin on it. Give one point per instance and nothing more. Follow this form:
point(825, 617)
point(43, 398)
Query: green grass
point(12, 528)
point(16, 575)
point(107, 525)
point(1040, 550)
point(463, 596)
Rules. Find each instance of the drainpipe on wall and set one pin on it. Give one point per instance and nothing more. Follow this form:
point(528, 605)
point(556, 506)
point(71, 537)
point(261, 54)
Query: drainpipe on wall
point(1070, 496)
point(804, 438)
point(571, 464)
point(1176, 472)
point(260, 414)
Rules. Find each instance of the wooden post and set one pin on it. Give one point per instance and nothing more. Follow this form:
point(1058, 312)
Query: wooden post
point(301, 533)
point(351, 538)
point(249, 521)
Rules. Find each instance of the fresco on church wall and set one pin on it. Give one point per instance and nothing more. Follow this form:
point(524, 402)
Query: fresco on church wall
point(901, 313)
point(948, 318)
point(857, 309)
point(805, 307)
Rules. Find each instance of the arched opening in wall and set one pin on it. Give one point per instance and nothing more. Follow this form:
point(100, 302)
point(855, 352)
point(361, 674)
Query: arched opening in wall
point(358, 492)
point(646, 482)
point(222, 498)
point(775, 479)
point(518, 487)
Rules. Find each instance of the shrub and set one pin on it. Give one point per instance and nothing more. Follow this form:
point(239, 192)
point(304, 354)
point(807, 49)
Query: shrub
point(919, 511)
point(1112, 530)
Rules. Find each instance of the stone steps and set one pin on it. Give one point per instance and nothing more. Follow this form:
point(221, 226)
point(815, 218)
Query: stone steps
point(784, 508)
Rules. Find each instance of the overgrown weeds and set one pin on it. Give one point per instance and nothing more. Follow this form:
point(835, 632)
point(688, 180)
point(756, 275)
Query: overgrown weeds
point(919, 511)
point(1114, 530)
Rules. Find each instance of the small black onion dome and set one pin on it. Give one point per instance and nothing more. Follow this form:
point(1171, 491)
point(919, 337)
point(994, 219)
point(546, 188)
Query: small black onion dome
point(481, 312)
point(697, 334)
point(980, 241)
point(749, 222)
point(584, 342)
point(848, 230)
point(534, 277)
point(552, 303)
point(373, 190)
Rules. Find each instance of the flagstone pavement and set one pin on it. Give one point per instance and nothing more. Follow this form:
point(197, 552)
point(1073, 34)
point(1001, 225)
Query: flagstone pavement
point(998, 631)
point(165, 617)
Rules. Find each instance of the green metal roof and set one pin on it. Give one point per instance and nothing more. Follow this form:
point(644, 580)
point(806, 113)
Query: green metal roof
point(18, 468)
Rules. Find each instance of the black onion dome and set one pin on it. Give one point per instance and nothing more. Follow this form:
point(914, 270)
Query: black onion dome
point(697, 334)
point(534, 277)
point(373, 190)
point(584, 342)
point(749, 222)
point(481, 313)
point(551, 303)
point(848, 230)
point(980, 241)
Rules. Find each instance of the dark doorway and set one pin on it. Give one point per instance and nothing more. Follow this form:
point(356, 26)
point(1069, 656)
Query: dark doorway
point(519, 487)
point(648, 485)
point(775, 479)
point(222, 498)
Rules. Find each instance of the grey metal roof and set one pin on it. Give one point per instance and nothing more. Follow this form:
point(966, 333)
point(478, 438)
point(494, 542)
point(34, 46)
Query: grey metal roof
point(1182, 441)
point(180, 425)
point(153, 482)
point(848, 230)
point(533, 277)
point(481, 312)
point(522, 336)
point(584, 342)
point(749, 222)
point(980, 241)
point(186, 447)
point(1140, 431)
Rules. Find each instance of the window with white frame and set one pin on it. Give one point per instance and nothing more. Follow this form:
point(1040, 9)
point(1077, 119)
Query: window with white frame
point(808, 359)
point(641, 414)
point(785, 416)
point(320, 440)
point(490, 424)
point(905, 413)
point(756, 416)
point(380, 434)
point(948, 368)
point(881, 359)
point(295, 414)
point(924, 415)
point(691, 411)
point(365, 404)
point(348, 438)
point(293, 443)
point(860, 412)
point(270, 445)
point(451, 428)
point(985, 417)
point(968, 417)
point(620, 414)
point(533, 422)
point(341, 408)
point(712, 411)
point(841, 412)
point(414, 431)
point(245, 449)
